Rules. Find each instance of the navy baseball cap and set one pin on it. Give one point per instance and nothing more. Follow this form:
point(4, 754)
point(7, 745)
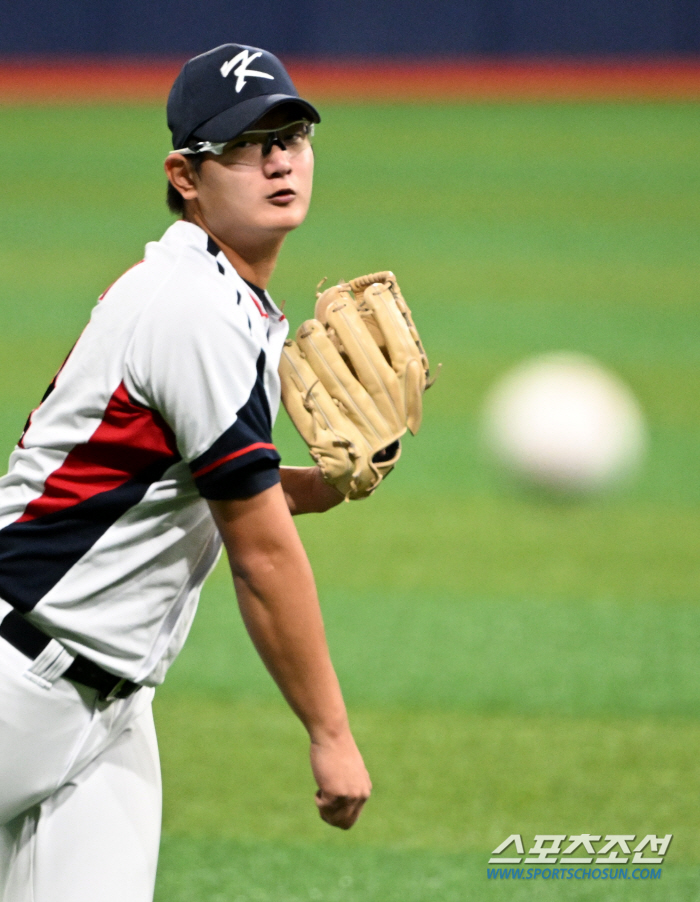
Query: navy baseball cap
point(221, 93)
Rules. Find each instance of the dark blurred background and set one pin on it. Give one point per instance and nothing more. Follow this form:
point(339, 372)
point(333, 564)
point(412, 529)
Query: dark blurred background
point(315, 28)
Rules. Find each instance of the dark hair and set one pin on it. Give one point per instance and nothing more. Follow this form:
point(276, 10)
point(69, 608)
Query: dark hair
point(173, 198)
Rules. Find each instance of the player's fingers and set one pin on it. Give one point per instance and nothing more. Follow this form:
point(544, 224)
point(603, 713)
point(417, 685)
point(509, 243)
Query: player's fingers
point(327, 800)
point(356, 811)
point(342, 818)
point(339, 811)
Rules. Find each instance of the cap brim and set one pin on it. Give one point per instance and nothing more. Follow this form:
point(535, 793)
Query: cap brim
point(239, 118)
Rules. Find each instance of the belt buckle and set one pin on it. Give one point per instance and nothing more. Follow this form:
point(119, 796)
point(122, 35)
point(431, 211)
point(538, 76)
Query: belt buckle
point(112, 694)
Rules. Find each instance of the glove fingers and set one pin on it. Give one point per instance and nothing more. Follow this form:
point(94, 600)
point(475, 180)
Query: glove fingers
point(415, 386)
point(310, 407)
point(325, 360)
point(368, 362)
point(296, 379)
point(405, 311)
point(360, 285)
point(379, 307)
point(336, 445)
point(323, 302)
point(416, 377)
point(340, 293)
point(333, 441)
point(401, 347)
point(360, 296)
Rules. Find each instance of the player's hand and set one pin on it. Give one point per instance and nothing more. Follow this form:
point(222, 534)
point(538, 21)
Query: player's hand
point(342, 778)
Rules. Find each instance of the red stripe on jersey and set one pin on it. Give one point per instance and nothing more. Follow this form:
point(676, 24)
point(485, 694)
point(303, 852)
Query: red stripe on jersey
point(260, 309)
point(234, 454)
point(129, 439)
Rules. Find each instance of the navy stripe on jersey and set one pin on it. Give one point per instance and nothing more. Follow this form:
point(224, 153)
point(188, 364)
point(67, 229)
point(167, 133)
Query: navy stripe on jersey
point(245, 482)
point(214, 250)
point(98, 481)
point(223, 470)
point(36, 554)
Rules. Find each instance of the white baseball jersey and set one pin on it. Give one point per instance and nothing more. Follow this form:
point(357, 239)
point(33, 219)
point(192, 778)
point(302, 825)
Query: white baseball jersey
point(168, 398)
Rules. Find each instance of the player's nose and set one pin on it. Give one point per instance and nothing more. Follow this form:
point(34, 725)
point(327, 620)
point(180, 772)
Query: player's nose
point(277, 162)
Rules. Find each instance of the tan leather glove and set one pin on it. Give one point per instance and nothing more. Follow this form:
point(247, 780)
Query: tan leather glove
point(353, 381)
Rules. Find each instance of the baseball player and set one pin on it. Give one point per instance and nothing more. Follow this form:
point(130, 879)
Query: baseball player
point(150, 449)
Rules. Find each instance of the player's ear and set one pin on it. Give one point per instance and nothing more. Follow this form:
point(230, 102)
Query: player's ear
point(181, 175)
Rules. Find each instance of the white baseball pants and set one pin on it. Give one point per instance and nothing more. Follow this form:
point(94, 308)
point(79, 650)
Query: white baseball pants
point(80, 792)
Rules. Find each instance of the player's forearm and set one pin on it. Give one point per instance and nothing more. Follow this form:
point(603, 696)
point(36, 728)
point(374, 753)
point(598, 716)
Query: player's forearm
point(306, 492)
point(279, 605)
point(284, 623)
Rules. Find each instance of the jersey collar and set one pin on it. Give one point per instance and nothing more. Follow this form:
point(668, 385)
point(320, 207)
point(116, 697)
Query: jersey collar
point(182, 234)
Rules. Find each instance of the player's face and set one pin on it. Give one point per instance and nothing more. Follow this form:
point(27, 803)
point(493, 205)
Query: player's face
point(242, 204)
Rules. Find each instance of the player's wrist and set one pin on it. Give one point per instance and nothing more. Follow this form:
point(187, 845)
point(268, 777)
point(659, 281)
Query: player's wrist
point(327, 496)
point(332, 731)
point(307, 492)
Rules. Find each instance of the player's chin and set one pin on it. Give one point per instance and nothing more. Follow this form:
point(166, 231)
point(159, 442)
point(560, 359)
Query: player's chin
point(289, 216)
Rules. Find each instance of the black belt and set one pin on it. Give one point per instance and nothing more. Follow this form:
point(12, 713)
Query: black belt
point(30, 640)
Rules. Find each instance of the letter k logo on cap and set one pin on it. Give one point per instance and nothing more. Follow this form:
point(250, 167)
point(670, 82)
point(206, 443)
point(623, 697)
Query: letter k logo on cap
point(244, 59)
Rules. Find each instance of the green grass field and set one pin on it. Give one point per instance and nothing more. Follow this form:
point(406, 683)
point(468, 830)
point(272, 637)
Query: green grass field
point(512, 664)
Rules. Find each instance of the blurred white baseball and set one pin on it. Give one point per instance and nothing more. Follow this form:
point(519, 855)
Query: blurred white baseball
point(563, 422)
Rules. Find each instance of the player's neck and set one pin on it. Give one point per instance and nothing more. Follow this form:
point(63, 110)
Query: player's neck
point(254, 262)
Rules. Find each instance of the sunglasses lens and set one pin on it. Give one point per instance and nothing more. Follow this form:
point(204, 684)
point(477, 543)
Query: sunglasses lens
point(250, 148)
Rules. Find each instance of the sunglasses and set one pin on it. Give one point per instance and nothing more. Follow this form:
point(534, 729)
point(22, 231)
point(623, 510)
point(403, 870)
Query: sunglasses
point(249, 148)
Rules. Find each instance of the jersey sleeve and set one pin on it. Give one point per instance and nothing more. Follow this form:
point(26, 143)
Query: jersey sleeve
point(196, 362)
